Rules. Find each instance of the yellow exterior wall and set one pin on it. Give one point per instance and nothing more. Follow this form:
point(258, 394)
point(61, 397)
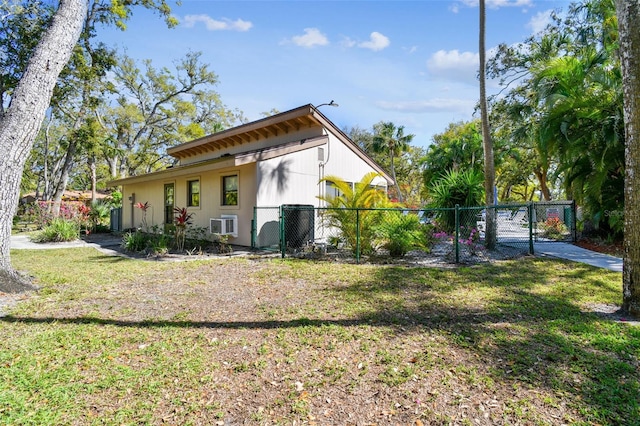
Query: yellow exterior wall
point(210, 200)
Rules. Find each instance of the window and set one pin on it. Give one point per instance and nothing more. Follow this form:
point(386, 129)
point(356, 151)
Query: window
point(330, 190)
point(230, 190)
point(193, 193)
point(168, 203)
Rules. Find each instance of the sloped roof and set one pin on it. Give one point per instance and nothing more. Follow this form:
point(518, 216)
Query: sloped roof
point(306, 116)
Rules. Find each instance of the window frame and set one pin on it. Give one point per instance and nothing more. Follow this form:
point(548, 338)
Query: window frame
point(191, 193)
point(168, 212)
point(224, 192)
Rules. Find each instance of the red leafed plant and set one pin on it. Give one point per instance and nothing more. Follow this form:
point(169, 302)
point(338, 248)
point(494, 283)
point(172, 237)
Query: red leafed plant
point(143, 206)
point(181, 220)
point(182, 217)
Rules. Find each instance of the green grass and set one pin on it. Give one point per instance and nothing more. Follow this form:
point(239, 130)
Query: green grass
point(508, 343)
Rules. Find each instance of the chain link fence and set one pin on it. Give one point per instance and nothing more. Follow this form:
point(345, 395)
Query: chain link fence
point(457, 234)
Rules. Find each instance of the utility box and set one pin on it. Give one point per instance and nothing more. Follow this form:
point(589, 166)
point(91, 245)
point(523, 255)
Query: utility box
point(298, 225)
point(115, 220)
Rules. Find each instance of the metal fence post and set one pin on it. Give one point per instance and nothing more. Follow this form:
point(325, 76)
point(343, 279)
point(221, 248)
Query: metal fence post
point(357, 235)
point(283, 248)
point(457, 233)
point(254, 232)
point(530, 207)
point(574, 221)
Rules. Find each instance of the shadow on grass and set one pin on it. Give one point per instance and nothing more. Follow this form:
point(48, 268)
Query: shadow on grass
point(527, 325)
point(522, 321)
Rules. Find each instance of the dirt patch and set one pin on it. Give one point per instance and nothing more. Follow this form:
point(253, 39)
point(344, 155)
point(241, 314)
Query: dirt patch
point(612, 248)
point(611, 312)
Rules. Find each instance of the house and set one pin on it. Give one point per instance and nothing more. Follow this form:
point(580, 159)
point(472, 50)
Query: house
point(223, 177)
point(67, 196)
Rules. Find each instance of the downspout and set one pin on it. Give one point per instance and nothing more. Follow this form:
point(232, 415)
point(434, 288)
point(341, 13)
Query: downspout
point(132, 199)
point(321, 165)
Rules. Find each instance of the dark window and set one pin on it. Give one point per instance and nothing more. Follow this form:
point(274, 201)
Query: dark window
point(193, 193)
point(230, 190)
point(168, 203)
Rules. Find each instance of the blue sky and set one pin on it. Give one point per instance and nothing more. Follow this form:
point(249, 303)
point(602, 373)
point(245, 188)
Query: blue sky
point(410, 62)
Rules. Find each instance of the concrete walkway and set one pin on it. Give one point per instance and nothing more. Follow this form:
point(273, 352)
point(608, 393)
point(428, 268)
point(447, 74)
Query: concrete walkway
point(22, 242)
point(578, 254)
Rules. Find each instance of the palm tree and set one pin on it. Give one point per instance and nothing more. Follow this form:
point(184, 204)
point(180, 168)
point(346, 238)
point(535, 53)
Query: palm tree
point(581, 112)
point(353, 211)
point(391, 140)
point(487, 143)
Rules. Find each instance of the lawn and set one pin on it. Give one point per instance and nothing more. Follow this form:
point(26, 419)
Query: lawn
point(114, 341)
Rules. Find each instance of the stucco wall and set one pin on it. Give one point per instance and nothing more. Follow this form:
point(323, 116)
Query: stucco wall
point(343, 162)
point(210, 200)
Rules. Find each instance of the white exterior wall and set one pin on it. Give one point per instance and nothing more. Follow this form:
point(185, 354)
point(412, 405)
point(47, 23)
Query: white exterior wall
point(142, 193)
point(342, 162)
point(295, 179)
point(289, 179)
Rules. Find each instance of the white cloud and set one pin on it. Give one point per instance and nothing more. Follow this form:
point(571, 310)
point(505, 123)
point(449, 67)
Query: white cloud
point(312, 37)
point(190, 21)
point(376, 42)
point(540, 21)
point(454, 65)
point(347, 42)
point(430, 105)
point(410, 50)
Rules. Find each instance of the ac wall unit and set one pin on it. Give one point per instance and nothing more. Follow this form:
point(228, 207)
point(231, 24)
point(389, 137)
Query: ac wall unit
point(225, 225)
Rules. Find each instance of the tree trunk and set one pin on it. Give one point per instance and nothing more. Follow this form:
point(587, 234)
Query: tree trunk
point(487, 143)
point(393, 175)
point(64, 177)
point(21, 121)
point(628, 12)
point(94, 177)
point(544, 187)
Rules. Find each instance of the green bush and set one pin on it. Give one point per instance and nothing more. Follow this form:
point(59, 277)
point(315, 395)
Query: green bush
point(400, 233)
point(462, 188)
point(159, 244)
point(99, 215)
point(136, 241)
point(356, 226)
point(58, 230)
point(554, 229)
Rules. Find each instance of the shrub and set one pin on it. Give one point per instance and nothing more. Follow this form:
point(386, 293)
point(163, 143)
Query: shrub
point(136, 241)
point(355, 226)
point(58, 230)
point(554, 229)
point(400, 233)
point(462, 188)
point(159, 243)
point(470, 237)
point(181, 220)
point(99, 214)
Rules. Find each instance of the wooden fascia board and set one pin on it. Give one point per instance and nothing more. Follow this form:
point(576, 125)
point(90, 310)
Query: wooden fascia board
point(218, 163)
point(243, 129)
point(224, 162)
